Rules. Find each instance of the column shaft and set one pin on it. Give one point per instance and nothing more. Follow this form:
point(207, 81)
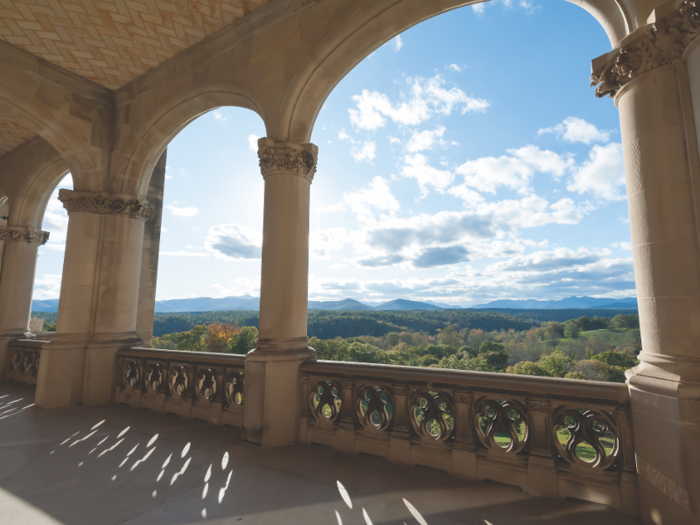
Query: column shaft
point(151, 247)
point(662, 180)
point(99, 299)
point(271, 408)
point(16, 286)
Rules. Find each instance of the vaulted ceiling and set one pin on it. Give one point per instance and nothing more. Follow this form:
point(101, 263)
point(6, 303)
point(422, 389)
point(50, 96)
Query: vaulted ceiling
point(112, 42)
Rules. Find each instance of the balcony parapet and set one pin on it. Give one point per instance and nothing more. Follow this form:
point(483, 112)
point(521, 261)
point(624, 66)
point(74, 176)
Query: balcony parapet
point(554, 437)
point(195, 385)
point(24, 361)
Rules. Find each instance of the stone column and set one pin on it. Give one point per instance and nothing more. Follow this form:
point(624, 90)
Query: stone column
point(649, 81)
point(16, 285)
point(99, 298)
point(271, 409)
point(149, 262)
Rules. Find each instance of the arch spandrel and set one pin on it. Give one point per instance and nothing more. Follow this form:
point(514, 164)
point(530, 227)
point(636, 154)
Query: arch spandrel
point(28, 176)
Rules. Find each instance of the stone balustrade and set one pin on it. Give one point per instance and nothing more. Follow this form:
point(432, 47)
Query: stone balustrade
point(553, 437)
point(195, 385)
point(25, 355)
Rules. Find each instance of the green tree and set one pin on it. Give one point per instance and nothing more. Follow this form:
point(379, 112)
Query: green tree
point(527, 368)
point(449, 337)
point(621, 359)
point(571, 329)
point(557, 364)
point(244, 340)
point(194, 340)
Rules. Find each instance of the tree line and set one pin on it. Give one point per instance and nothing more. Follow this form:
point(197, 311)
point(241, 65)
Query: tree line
point(587, 348)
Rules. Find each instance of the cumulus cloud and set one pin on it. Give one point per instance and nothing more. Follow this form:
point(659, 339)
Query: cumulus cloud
point(47, 286)
point(366, 201)
point(448, 237)
point(398, 43)
point(427, 98)
point(218, 115)
point(253, 142)
point(424, 140)
point(56, 218)
point(324, 241)
point(479, 8)
point(602, 174)
point(366, 152)
point(574, 129)
point(185, 253)
point(416, 167)
point(237, 288)
point(515, 170)
point(455, 67)
point(233, 241)
point(187, 211)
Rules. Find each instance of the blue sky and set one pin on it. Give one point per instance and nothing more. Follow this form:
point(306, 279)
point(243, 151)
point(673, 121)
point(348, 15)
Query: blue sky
point(466, 160)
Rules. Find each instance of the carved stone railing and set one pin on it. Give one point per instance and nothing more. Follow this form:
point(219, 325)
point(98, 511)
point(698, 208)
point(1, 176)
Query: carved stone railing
point(25, 355)
point(558, 438)
point(195, 385)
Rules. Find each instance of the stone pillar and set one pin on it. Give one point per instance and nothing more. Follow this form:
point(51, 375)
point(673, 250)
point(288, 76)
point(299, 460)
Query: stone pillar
point(271, 410)
point(149, 261)
point(16, 285)
point(99, 298)
point(649, 80)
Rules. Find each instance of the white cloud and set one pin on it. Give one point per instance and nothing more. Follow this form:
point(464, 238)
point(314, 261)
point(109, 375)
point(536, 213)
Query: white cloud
point(574, 129)
point(424, 140)
point(47, 286)
point(185, 253)
point(368, 151)
point(416, 167)
point(394, 140)
point(233, 241)
point(623, 245)
point(187, 211)
point(253, 142)
point(478, 8)
point(342, 135)
point(237, 288)
point(218, 115)
point(364, 202)
point(398, 43)
point(602, 175)
point(514, 171)
point(455, 67)
point(323, 242)
point(428, 97)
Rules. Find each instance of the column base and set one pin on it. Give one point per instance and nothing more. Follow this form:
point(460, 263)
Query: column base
point(666, 415)
point(272, 406)
point(74, 370)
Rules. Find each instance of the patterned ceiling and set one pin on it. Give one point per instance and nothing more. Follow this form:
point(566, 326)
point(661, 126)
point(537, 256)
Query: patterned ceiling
point(112, 42)
point(12, 135)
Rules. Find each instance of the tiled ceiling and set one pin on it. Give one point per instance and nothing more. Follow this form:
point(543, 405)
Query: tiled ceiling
point(112, 42)
point(12, 135)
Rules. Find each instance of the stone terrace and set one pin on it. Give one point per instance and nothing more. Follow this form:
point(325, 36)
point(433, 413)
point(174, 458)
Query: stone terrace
point(113, 464)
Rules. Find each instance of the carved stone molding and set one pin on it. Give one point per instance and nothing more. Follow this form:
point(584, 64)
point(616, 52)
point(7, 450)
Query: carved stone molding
point(464, 397)
point(538, 406)
point(287, 157)
point(102, 204)
point(30, 235)
point(662, 43)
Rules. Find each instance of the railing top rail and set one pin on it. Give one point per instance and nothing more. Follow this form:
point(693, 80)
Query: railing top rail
point(184, 356)
point(29, 342)
point(489, 381)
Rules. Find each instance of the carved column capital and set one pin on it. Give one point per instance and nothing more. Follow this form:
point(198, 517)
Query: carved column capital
point(105, 204)
point(287, 157)
point(659, 44)
point(24, 234)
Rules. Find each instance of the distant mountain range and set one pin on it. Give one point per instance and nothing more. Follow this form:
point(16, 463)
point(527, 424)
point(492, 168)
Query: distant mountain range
point(569, 302)
point(248, 302)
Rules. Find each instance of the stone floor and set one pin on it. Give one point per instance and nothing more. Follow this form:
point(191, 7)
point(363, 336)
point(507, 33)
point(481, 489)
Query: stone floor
point(104, 465)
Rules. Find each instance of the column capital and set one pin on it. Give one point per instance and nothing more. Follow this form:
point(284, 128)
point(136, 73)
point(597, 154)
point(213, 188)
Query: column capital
point(105, 204)
point(658, 44)
point(24, 234)
point(287, 157)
